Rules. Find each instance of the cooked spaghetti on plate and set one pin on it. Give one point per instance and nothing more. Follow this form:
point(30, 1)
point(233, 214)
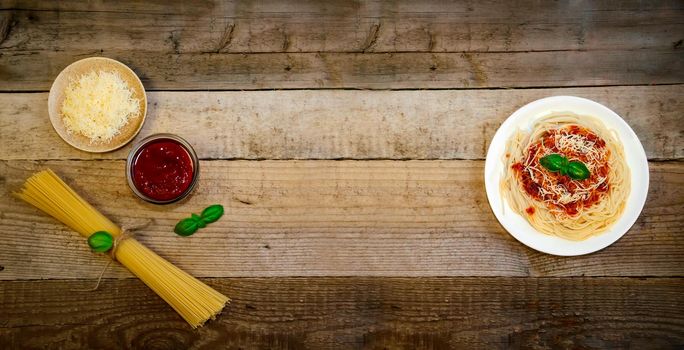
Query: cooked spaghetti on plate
point(567, 176)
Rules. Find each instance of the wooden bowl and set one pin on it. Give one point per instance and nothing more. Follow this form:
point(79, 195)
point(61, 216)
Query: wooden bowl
point(84, 66)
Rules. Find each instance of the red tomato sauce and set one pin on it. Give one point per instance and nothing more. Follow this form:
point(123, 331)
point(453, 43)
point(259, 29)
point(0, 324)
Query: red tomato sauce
point(162, 170)
point(547, 141)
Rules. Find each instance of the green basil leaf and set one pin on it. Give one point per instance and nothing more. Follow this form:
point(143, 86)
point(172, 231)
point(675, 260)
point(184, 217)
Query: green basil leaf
point(187, 226)
point(198, 219)
point(101, 241)
point(577, 170)
point(212, 213)
point(553, 162)
point(190, 225)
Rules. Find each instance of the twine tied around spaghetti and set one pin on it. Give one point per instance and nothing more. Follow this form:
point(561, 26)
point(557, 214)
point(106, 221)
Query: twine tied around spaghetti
point(126, 233)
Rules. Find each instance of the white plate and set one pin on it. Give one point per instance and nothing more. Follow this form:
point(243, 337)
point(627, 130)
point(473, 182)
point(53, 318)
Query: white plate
point(518, 226)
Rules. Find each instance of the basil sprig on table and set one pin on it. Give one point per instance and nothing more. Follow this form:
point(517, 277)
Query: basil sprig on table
point(559, 163)
point(190, 225)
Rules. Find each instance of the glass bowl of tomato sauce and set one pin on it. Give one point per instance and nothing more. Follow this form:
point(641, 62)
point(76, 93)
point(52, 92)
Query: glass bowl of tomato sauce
point(162, 169)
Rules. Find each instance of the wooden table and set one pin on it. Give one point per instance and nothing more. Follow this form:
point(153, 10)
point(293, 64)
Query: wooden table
point(347, 142)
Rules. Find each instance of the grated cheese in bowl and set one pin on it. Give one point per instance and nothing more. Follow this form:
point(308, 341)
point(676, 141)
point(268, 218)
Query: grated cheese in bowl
point(98, 105)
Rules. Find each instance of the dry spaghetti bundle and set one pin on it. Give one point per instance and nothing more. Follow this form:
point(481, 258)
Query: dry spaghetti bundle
point(193, 300)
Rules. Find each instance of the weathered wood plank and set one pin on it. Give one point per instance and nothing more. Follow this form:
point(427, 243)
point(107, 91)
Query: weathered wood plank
point(352, 313)
point(448, 124)
point(338, 26)
point(35, 70)
point(328, 218)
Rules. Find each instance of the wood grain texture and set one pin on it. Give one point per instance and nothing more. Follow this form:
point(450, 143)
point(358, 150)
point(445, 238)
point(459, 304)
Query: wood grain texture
point(328, 218)
point(353, 313)
point(216, 71)
point(340, 26)
point(343, 124)
point(330, 44)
